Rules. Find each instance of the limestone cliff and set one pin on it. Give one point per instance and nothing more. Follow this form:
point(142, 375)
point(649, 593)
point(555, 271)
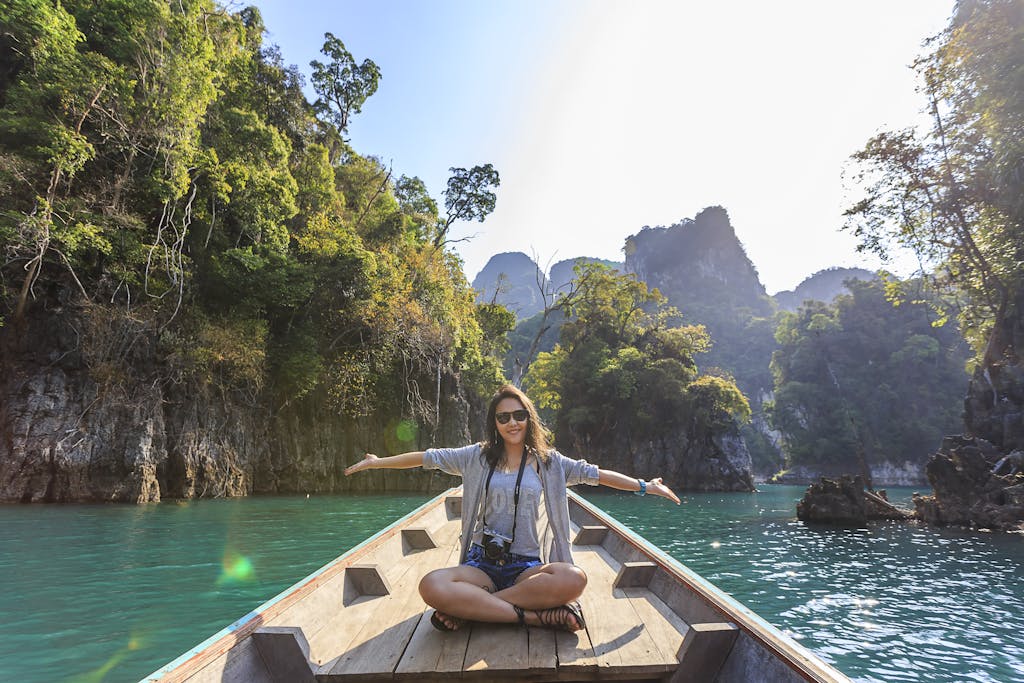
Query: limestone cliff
point(562, 273)
point(510, 279)
point(707, 461)
point(66, 437)
point(702, 268)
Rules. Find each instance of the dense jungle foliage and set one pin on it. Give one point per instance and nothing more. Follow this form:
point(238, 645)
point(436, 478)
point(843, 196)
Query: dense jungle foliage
point(622, 371)
point(163, 172)
point(863, 379)
point(953, 194)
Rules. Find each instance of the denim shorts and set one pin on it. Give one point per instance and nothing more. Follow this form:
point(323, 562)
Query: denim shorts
point(503, 575)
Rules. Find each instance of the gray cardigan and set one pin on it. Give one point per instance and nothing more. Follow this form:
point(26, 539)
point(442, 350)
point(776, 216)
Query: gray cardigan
point(556, 474)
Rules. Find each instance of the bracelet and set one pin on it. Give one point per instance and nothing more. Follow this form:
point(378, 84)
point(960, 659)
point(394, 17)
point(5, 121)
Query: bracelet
point(643, 488)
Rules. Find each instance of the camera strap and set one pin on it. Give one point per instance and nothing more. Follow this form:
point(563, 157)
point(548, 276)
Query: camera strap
point(515, 496)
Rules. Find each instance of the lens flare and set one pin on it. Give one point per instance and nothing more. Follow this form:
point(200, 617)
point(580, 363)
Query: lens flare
point(235, 568)
point(406, 430)
point(135, 641)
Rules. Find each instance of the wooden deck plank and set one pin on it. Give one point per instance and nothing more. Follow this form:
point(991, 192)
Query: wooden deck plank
point(496, 649)
point(543, 656)
point(313, 617)
point(345, 622)
point(431, 651)
point(372, 632)
point(377, 647)
point(343, 631)
point(622, 642)
point(575, 651)
point(326, 619)
point(667, 629)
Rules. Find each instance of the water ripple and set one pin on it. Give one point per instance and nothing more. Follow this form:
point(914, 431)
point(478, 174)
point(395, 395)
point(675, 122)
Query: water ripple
point(892, 602)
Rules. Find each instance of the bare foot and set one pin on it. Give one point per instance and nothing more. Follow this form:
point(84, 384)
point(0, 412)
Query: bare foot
point(446, 622)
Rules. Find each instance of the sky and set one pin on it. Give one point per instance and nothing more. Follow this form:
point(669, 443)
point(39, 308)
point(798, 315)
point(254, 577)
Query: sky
point(606, 116)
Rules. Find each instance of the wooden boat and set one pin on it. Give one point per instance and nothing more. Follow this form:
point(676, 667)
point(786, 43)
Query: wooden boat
point(361, 618)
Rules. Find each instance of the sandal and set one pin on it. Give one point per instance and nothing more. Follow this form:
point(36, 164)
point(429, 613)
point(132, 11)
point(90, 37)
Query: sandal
point(520, 615)
point(558, 618)
point(440, 625)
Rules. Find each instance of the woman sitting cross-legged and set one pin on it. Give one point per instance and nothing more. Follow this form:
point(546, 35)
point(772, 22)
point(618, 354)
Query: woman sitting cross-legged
point(502, 577)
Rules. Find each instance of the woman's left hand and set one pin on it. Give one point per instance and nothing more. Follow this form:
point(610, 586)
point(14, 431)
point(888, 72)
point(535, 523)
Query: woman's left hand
point(656, 487)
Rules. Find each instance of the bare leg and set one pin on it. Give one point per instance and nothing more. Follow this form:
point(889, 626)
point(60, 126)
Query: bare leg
point(548, 585)
point(465, 592)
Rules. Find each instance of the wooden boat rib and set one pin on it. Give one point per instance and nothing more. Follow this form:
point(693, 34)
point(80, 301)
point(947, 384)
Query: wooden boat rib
point(360, 617)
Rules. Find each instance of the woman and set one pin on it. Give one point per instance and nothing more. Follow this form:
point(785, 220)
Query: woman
point(502, 577)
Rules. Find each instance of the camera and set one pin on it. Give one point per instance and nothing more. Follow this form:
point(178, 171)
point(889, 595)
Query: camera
point(496, 546)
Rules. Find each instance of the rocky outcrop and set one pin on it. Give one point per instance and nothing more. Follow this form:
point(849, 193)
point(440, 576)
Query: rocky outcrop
point(973, 485)
point(719, 462)
point(510, 279)
point(844, 501)
point(977, 478)
point(703, 251)
point(67, 436)
point(701, 267)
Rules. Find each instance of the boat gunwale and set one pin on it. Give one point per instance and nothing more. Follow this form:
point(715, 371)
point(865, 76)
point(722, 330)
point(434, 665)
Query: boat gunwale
point(810, 666)
point(193, 660)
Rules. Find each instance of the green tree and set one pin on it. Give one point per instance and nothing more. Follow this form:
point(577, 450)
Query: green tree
point(161, 161)
point(79, 113)
point(952, 194)
point(861, 381)
point(468, 197)
point(621, 372)
point(341, 85)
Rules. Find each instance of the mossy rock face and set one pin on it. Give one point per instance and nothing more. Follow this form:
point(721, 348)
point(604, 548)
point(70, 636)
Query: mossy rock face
point(67, 437)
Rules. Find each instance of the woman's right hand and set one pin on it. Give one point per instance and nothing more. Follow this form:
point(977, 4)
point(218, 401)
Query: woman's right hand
point(366, 463)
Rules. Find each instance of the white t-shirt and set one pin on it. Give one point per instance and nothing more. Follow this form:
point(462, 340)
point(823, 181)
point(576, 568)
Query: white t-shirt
point(499, 506)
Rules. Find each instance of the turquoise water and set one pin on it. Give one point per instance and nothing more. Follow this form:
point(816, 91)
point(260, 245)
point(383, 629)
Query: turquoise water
point(890, 603)
point(110, 593)
point(97, 593)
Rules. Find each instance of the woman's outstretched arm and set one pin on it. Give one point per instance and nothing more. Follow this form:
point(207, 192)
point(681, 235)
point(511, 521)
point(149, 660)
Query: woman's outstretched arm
point(395, 462)
point(619, 481)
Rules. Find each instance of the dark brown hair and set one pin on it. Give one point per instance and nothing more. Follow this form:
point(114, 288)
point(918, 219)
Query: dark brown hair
point(535, 440)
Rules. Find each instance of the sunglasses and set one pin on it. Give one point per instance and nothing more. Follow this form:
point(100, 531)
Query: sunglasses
point(517, 415)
